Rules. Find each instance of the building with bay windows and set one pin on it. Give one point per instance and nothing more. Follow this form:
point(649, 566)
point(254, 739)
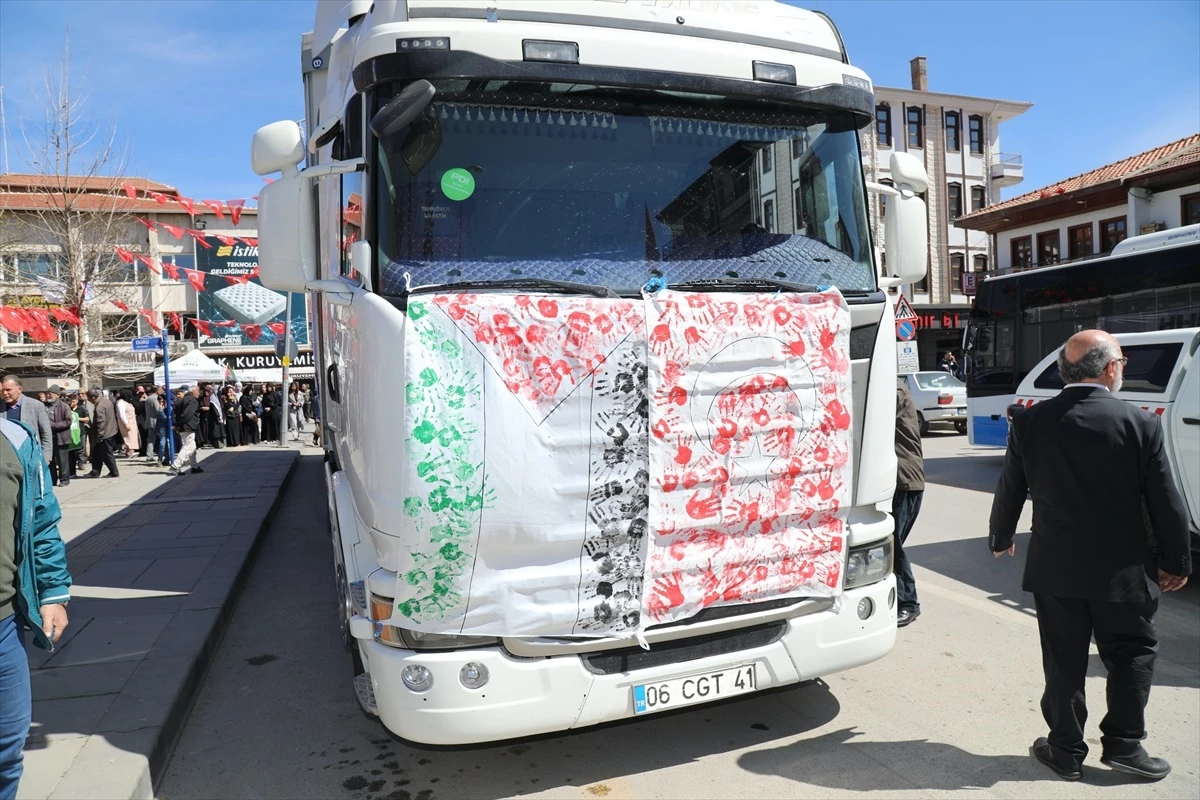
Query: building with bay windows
point(1087, 215)
point(957, 138)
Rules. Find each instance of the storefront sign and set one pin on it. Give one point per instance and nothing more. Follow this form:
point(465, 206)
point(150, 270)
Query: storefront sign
point(945, 319)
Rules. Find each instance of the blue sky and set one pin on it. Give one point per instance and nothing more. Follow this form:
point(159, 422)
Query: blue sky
point(187, 82)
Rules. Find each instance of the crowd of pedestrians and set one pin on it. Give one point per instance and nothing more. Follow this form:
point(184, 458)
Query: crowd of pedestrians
point(97, 429)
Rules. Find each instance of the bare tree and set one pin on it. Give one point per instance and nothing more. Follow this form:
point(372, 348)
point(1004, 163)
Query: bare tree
point(80, 214)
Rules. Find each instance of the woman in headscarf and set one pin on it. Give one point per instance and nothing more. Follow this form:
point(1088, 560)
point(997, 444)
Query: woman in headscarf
point(249, 417)
point(127, 421)
point(233, 417)
point(216, 417)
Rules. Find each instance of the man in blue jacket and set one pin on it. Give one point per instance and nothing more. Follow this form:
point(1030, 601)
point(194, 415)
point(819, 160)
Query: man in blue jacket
point(34, 584)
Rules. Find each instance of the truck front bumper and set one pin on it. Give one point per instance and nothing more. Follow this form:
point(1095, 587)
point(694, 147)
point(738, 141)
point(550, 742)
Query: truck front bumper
point(527, 696)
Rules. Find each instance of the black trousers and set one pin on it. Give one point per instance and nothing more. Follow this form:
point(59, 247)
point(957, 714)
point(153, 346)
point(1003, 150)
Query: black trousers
point(60, 463)
point(1128, 645)
point(905, 508)
point(102, 456)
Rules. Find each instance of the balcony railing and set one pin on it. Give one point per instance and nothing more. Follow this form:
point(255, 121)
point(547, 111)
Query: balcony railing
point(1010, 160)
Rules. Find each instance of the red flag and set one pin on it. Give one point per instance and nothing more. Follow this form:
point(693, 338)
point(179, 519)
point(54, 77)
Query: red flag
point(150, 265)
point(250, 241)
point(229, 240)
point(253, 331)
point(225, 323)
point(42, 330)
point(199, 237)
point(120, 305)
point(233, 280)
point(235, 209)
point(176, 320)
point(202, 327)
point(277, 328)
point(171, 270)
point(124, 255)
point(148, 223)
point(254, 272)
point(10, 320)
point(196, 278)
point(148, 315)
point(67, 315)
point(215, 205)
point(268, 180)
point(188, 204)
point(174, 230)
point(144, 259)
point(159, 196)
point(130, 190)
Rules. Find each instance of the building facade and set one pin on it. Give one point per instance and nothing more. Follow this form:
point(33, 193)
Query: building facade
point(31, 273)
point(1087, 215)
point(957, 138)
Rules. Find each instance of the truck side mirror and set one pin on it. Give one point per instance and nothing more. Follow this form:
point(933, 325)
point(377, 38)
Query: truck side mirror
point(905, 229)
point(403, 109)
point(287, 258)
point(277, 147)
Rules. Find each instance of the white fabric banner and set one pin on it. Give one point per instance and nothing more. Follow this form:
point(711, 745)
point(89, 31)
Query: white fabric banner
point(536, 423)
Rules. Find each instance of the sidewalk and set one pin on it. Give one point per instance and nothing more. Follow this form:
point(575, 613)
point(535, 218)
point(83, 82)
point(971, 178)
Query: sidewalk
point(157, 563)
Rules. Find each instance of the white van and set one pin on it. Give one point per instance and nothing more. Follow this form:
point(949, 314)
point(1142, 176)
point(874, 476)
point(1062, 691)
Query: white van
point(1163, 377)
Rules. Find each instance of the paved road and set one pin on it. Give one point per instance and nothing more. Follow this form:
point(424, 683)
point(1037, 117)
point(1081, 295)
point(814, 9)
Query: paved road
point(952, 709)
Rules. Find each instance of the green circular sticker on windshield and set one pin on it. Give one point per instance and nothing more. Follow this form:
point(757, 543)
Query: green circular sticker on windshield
point(458, 184)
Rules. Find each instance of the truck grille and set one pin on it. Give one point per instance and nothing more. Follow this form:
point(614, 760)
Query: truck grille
point(613, 662)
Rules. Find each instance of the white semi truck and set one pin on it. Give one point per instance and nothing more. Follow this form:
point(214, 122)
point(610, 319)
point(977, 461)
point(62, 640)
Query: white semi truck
point(606, 367)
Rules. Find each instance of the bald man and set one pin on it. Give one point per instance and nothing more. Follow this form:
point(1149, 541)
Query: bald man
point(1096, 469)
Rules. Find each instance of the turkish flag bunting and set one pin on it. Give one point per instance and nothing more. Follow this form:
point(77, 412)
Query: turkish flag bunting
point(235, 209)
point(225, 323)
point(253, 331)
point(268, 180)
point(41, 329)
point(120, 305)
point(233, 280)
point(10, 320)
point(250, 241)
point(171, 270)
point(202, 327)
point(124, 255)
point(66, 315)
point(254, 272)
point(144, 259)
point(150, 265)
point(215, 205)
point(196, 278)
point(277, 328)
point(199, 237)
point(148, 315)
point(174, 230)
point(130, 190)
point(148, 223)
point(159, 196)
point(229, 240)
point(188, 204)
point(176, 320)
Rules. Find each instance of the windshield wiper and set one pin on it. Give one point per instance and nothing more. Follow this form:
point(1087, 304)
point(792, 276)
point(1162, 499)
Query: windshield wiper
point(567, 287)
point(743, 284)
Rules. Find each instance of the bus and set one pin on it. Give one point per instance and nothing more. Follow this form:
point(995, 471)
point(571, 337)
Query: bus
point(1147, 283)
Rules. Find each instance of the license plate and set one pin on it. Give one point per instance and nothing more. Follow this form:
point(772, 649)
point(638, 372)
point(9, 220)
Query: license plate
point(678, 692)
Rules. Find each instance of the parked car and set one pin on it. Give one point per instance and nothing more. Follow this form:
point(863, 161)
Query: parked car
point(1162, 375)
point(939, 397)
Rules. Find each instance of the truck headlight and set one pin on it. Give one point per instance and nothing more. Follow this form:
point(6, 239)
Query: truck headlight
point(869, 563)
point(381, 612)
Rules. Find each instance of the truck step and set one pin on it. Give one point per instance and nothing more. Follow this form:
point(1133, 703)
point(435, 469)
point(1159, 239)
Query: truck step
point(358, 596)
point(365, 693)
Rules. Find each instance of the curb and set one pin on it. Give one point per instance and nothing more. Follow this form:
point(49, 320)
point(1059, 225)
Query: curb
point(176, 719)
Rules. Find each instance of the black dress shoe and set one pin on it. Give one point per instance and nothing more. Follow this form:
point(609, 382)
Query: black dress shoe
point(906, 615)
point(197, 469)
point(1140, 763)
point(1043, 752)
point(93, 475)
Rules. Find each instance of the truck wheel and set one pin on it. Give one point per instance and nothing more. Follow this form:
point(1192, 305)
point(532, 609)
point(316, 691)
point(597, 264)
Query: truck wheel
point(923, 423)
point(961, 426)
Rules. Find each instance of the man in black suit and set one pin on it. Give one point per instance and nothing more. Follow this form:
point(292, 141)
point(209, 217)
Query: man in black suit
point(1091, 463)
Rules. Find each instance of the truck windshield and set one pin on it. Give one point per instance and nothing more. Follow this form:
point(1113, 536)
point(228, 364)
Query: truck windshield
point(612, 187)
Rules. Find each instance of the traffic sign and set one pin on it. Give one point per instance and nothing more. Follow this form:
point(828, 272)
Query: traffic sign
point(145, 344)
point(906, 330)
point(906, 358)
point(904, 309)
point(968, 284)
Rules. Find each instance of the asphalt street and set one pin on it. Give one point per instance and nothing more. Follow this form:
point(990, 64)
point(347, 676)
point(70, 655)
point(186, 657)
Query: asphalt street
point(952, 710)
